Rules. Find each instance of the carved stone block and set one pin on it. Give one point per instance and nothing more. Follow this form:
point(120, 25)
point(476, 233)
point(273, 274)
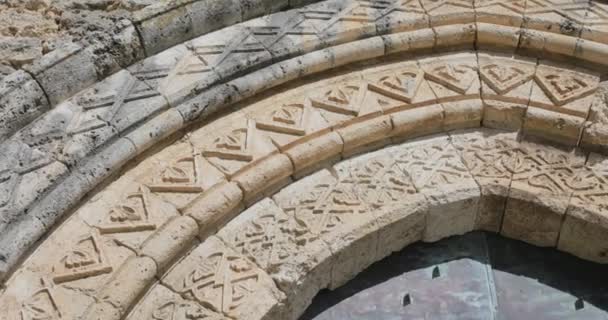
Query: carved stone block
point(162, 303)
point(226, 282)
point(438, 172)
point(332, 210)
point(296, 259)
point(584, 230)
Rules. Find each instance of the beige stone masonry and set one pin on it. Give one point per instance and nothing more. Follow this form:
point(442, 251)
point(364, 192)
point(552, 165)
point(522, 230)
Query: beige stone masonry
point(226, 282)
point(583, 232)
point(296, 259)
point(540, 193)
point(170, 240)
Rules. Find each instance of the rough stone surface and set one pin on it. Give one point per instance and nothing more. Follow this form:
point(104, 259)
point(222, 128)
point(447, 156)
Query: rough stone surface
point(265, 109)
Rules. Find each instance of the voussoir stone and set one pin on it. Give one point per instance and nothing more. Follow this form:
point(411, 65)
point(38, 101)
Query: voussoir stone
point(21, 101)
point(296, 259)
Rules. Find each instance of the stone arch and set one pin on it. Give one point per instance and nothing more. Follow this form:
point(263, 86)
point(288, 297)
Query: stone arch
point(138, 226)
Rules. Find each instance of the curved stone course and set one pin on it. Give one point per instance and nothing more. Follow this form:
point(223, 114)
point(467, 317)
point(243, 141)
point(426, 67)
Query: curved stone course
point(529, 175)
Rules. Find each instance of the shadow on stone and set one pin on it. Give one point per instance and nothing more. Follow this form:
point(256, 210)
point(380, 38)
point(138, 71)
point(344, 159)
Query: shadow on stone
point(475, 276)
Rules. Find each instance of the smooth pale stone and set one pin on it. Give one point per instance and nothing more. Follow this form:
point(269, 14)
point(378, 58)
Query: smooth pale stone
point(315, 152)
point(296, 259)
point(265, 177)
point(214, 275)
point(216, 206)
point(170, 240)
point(128, 283)
point(561, 128)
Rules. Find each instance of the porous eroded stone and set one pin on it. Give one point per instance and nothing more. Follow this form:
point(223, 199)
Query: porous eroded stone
point(226, 282)
point(296, 259)
point(331, 210)
point(437, 172)
point(540, 192)
point(584, 230)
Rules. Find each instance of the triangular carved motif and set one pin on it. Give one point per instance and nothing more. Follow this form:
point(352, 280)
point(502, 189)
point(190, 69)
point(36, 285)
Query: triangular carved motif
point(231, 146)
point(402, 86)
point(502, 77)
point(184, 175)
point(133, 215)
point(41, 306)
point(288, 119)
point(457, 77)
point(437, 4)
point(341, 99)
point(222, 281)
point(563, 87)
point(84, 259)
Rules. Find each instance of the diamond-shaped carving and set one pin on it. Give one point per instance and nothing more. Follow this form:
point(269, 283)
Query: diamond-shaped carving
point(563, 86)
point(503, 77)
point(458, 77)
point(401, 86)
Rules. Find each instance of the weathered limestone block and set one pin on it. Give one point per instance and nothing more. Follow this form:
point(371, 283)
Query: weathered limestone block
point(127, 212)
point(438, 172)
point(418, 40)
point(539, 193)
point(158, 128)
point(264, 177)
point(21, 101)
point(296, 259)
point(399, 87)
point(331, 210)
point(596, 29)
point(160, 302)
point(566, 95)
point(455, 81)
point(65, 271)
point(313, 153)
point(170, 240)
point(380, 184)
point(595, 133)
point(235, 147)
point(505, 89)
point(215, 207)
point(510, 14)
point(492, 36)
point(181, 174)
point(562, 128)
point(417, 122)
point(27, 173)
point(64, 72)
point(447, 12)
point(166, 24)
point(565, 17)
point(230, 52)
point(359, 136)
point(289, 34)
point(337, 24)
point(226, 282)
point(117, 48)
point(584, 230)
point(455, 37)
point(401, 16)
point(488, 154)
